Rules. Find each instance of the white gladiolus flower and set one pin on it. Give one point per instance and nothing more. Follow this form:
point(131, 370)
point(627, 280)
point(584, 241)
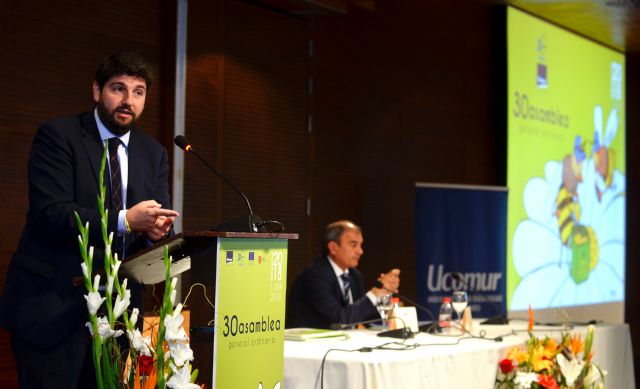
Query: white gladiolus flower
point(174, 282)
point(90, 253)
point(181, 378)
point(88, 325)
point(134, 316)
point(104, 329)
point(116, 266)
point(172, 297)
point(85, 270)
point(570, 368)
point(173, 326)
point(94, 300)
point(109, 284)
point(180, 352)
point(139, 343)
point(96, 282)
point(122, 303)
point(124, 284)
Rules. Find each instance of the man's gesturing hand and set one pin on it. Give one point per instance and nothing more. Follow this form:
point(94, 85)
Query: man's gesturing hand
point(150, 218)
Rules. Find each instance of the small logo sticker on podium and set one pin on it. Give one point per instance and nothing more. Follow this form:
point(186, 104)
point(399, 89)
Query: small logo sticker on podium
point(229, 256)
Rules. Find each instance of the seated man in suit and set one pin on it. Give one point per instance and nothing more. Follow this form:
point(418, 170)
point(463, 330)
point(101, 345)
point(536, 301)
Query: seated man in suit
point(330, 290)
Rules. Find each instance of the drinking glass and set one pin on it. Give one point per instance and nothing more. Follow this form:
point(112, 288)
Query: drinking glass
point(384, 308)
point(459, 301)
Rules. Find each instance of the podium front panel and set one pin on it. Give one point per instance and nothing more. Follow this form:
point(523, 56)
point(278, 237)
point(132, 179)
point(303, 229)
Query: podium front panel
point(250, 296)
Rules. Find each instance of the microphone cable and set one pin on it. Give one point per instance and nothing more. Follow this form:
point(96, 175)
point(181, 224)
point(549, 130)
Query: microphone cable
point(384, 346)
point(403, 347)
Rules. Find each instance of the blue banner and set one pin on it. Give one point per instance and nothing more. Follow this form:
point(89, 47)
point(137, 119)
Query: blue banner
point(461, 245)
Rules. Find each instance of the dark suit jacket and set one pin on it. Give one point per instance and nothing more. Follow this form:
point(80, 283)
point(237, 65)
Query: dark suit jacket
point(41, 304)
point(317, 300)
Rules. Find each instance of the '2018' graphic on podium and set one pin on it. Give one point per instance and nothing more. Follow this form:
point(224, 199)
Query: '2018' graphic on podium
point(250, 308)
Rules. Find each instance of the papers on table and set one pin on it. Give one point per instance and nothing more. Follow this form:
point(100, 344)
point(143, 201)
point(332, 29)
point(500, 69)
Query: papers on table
point(307, 334)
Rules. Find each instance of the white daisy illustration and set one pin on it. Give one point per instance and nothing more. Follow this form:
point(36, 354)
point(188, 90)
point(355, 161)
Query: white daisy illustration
point(570, 249)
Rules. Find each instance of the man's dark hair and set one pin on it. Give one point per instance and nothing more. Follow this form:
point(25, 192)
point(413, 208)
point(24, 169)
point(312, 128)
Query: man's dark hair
point(120, 63)
point(334, 231)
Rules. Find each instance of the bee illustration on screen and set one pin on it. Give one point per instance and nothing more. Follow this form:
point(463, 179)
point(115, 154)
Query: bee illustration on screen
point(603, 155)
point(579, 241)
point(567, 205)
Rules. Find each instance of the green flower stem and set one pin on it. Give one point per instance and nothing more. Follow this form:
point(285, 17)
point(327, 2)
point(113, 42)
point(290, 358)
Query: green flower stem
point(107, 359)
point(166, 308)
point(108, 369)
point(97, 351)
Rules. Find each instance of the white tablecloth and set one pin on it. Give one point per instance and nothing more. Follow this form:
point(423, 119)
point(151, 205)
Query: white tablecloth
point(439, 361)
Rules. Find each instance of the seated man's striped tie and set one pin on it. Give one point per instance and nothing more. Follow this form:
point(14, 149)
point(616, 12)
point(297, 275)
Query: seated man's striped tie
point(346, 287)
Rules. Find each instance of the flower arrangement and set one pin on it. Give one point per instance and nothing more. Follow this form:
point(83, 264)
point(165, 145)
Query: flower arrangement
point(548, 363)
point(151, 363)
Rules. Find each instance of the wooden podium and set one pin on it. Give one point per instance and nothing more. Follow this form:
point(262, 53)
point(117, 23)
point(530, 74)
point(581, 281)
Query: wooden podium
point(245, 277)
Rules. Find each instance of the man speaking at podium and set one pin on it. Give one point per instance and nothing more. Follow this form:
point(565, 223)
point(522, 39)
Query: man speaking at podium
point(331, 290)
point(44, 309)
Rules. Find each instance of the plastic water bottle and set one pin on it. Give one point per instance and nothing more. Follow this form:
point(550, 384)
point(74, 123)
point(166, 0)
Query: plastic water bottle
point(446, 313)
point(393, 323)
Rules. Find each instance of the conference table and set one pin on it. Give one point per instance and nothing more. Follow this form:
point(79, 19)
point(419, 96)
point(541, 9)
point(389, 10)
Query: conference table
point(438, 361)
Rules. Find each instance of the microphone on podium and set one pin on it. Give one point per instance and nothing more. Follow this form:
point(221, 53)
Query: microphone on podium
point(499, 319)
point(254, 223)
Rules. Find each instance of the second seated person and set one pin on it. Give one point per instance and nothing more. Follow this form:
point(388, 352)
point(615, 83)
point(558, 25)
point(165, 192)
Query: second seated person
point(331, 290)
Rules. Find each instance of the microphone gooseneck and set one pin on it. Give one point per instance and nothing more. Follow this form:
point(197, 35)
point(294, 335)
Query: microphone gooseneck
point(182, 142)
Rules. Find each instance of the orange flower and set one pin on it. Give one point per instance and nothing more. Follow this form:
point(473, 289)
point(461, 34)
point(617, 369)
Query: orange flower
point(530, 327)
point(547, 381)
point(577, 345)
point(518, 354)
point(538, 360)
point(550, 348)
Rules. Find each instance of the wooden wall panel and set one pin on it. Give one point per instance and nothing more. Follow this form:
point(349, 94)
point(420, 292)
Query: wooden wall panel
point(246, 115)
point(202, 196)
point(390, 112)
point(265, 117)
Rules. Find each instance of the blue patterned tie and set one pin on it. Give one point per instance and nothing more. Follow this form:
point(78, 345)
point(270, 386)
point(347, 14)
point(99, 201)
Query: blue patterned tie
point(346, 286)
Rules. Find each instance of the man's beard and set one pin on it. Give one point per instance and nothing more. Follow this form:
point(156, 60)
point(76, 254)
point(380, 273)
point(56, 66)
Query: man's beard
point(109, 120)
